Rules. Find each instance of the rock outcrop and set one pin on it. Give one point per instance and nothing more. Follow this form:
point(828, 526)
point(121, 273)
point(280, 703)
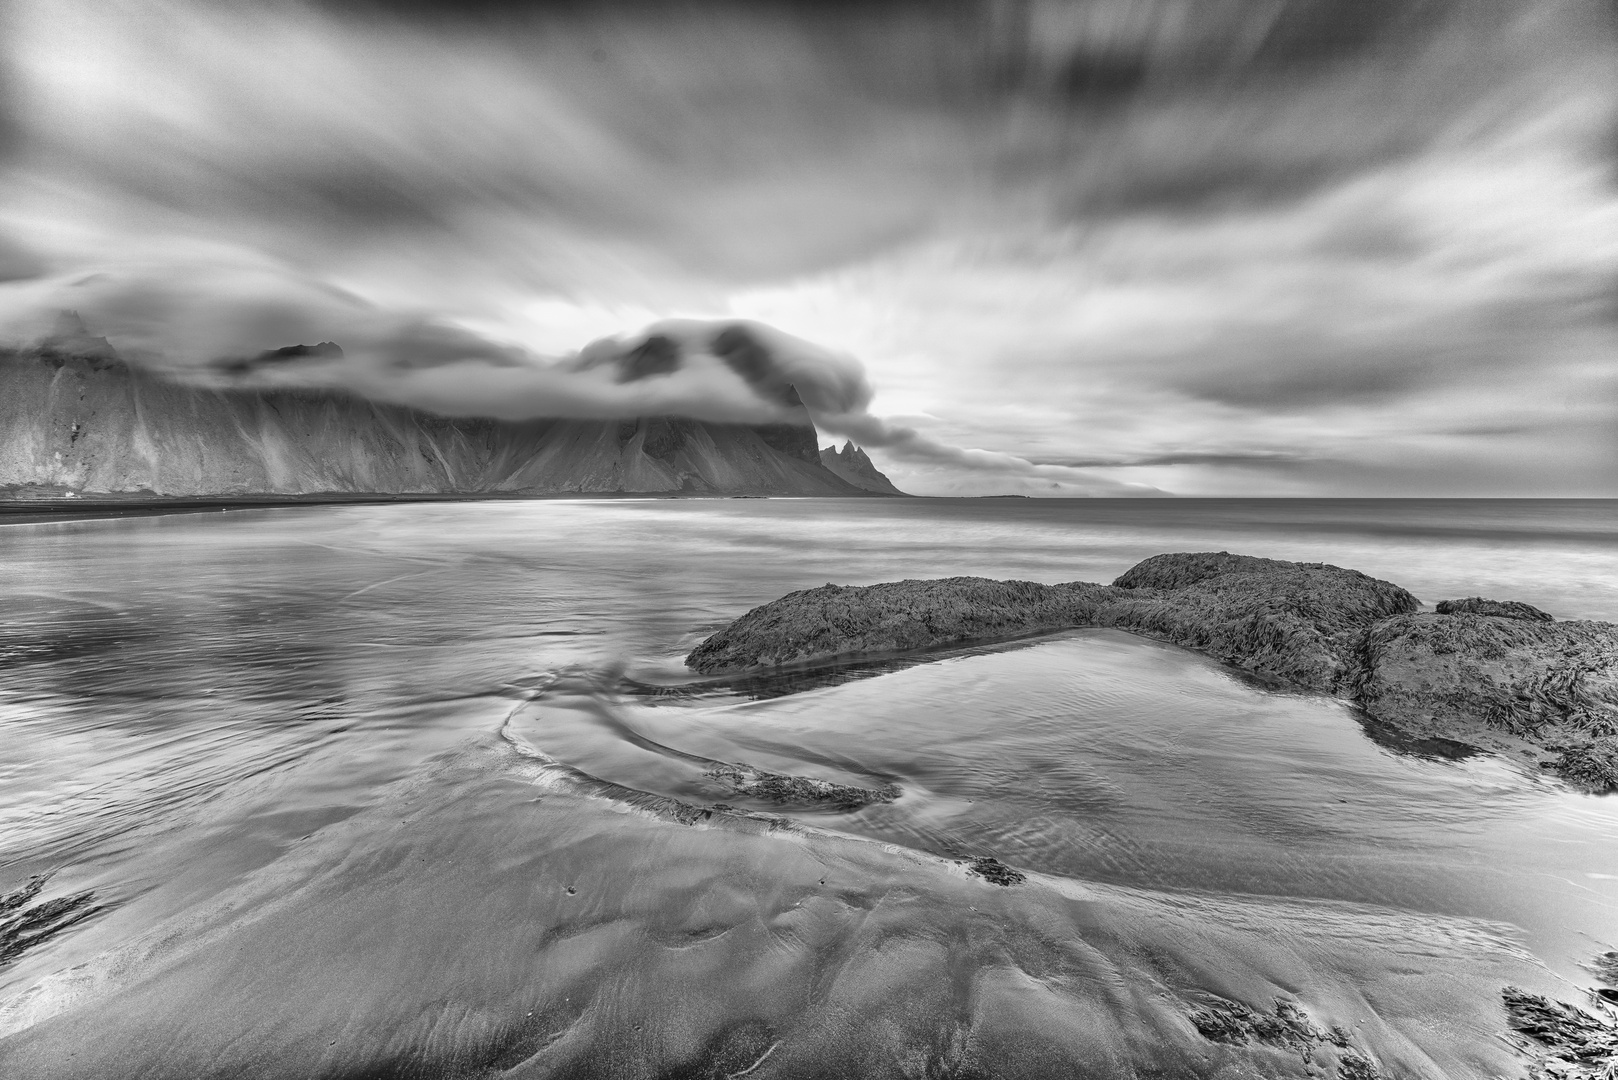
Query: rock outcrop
point(854, 465)
point(74, 417)
point(1431, 672)
point(836, 623)
point(1506, 609)
point(1505, 680)
point(1298, 623)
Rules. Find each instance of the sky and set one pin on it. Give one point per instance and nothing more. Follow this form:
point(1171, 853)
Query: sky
point(1089, 247)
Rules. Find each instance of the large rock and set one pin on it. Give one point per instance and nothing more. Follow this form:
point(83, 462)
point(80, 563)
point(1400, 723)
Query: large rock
point(1493, 672)
point(1437, 671)
point(1507, 609)
point(1298, 623)
point(834, 622)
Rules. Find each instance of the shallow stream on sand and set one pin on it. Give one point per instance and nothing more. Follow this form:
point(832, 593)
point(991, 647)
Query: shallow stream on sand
point(386, 790)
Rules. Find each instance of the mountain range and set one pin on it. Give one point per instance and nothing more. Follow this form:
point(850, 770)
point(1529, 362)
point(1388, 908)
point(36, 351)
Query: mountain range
point(74, 417)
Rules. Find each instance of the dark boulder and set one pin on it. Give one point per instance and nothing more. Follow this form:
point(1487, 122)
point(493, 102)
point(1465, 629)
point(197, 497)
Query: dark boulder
point(1298, 623)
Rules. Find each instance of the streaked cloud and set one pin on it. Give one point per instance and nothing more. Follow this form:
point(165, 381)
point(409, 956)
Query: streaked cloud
point(1119, 245)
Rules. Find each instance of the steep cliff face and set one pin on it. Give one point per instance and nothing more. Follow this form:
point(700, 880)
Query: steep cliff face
point(80, 419)
point(852, 464)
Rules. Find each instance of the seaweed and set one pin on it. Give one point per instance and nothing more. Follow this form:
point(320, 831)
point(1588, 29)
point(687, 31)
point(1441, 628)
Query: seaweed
point(805, 791)
point(1287, 1028)
point(995, 872)
point(25, 924)
point(1576, 1043)
point(1354, 1065)
point(1605, 966)
point(1592, 765)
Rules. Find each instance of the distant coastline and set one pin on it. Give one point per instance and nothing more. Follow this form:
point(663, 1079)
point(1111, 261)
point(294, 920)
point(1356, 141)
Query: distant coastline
point(15, 511)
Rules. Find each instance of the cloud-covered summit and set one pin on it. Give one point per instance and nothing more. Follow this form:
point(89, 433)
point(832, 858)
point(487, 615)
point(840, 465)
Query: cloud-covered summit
point(219, 325)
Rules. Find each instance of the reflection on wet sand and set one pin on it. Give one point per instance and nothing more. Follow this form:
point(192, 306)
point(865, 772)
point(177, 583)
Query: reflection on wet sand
point(505, 913)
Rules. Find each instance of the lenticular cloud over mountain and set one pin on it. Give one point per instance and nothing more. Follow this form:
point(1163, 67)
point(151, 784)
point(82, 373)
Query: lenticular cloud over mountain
point(257, 325)
point(208, 322)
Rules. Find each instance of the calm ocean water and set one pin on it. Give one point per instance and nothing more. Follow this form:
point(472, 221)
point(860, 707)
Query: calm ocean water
point(378, 790)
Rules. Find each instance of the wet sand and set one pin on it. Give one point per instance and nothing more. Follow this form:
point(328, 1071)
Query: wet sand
point(422, 790)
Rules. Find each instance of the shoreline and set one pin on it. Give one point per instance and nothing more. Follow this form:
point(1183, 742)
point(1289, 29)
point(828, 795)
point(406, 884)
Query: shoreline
point(105, 506)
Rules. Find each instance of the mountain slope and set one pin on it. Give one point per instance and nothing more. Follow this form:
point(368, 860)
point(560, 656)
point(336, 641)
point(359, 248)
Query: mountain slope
point(851, 464)
point(81, 419)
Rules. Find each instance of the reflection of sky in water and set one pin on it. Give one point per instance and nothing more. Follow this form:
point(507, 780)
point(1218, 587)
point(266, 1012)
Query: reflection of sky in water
point(187, 697)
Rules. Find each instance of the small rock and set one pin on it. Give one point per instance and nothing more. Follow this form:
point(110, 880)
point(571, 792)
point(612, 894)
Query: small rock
point(995, 872)
point(1500, 609)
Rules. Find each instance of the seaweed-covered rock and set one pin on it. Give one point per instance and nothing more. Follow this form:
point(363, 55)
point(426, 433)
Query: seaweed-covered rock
point(1424, 670)
point(1591, 765)
point(1289, 1028)
point(995, 872)
point(1575, 1044)
point(800, 791)
point(1502, 609)
point(832, 622)
point(1299, 623)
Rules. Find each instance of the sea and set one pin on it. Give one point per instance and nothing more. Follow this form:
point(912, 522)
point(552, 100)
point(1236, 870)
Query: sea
point(426, 790)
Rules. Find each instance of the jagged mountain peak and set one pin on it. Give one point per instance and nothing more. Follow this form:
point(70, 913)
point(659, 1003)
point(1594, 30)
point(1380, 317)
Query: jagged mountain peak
point(855, 466)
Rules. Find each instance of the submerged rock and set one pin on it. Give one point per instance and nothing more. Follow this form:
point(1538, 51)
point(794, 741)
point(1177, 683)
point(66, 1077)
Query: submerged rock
point(1477, 666)
point(995, 872)
point(784, 789)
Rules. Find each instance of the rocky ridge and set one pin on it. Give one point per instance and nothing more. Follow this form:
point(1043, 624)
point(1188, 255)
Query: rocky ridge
point(855, 466)
point(1490, 673)
point(74, 417)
